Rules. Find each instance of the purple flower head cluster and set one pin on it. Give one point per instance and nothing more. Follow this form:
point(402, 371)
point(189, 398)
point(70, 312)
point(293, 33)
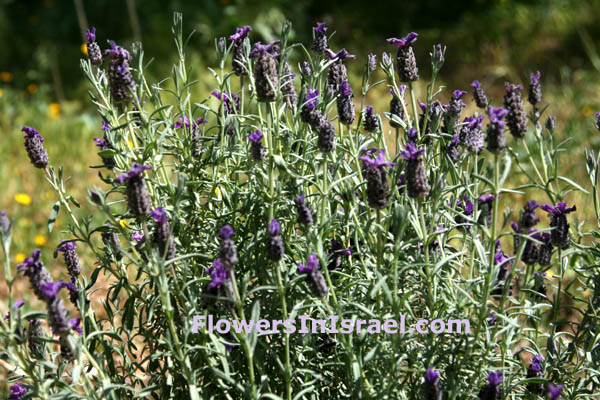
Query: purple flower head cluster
point(274, 227)
point(255, 136)
point(452, 149)
point(406, 41)
point(225, 233)
point(535, 88)
point(219, 274)
point(227, 250)
point(496, 138)
point(559, 224)
point(101, 143)
point(17, 391)
point(471, 134)
point(263, 49)
point(93, 50)
point(275, 247)
point(335, 254)
point(340, 55)
point(497, 114)
point(120, 79)
point(36, 272)
point(135, 171)
point(528, 217)
point(312, 98)
point(345, 104)
point(378, 162)
point(34, 147)
point(536, 362)
point(495, 378)
point(305, 215)
point(137, 236)
point(371, 120)
point(311, 265)
point(432, 375)
point(371, 62)
point(517, 118)
point(320, 42)
point(345, 89)
point(71, 259)
point(159, 215)
point(240, 33)
point(554, 391)
point(479, 95)
point(411, 152)
point(432, 387)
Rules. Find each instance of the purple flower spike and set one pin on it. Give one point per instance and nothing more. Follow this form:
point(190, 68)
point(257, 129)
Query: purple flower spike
point(100, 143)
point(495, 378)
point(534, 79)
point(75, 322)
point(226, 232)
point(137, 236)
point(311, 265)
point(261, 49)
point(67, 246)
point(475, 84)
point(554, 391)
point(405, 41)
point(32, 133)
point(320, 28)
point(340, 55)
point(18, 304)
point(240, 33)
point(312, 98)
point(509, 87)
point(496, 114)
point(183, 122)
point(51, 289)
point(411, 152)
point(219, 274)
point(117, 52)
point(432, 375)
point(379, 162)
point(105, 126)
point(560, 209)
point(159, 215)
point(486, 198)
point(345, 89)
point(90, 35)
point(274, 227)
point(457, 94)
point(17, 391)
point(136, 170)
point(255, 136)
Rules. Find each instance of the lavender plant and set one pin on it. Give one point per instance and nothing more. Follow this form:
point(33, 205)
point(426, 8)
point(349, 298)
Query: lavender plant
point(267, 208)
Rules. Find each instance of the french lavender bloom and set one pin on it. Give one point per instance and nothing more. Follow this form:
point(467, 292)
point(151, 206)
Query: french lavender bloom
point(560, 231)
point(119, 74)
point(219, 275)
point(528, 218)
point(287, 86)
point(545, 253)
point(535, 370)
point(335, 255)
point(371, 120)
point(454, 108)
point(345, 103)
point(238, 66)
point(34, 147)
point(479, 95)
point(555, 391)
point(58, 318)
point(17, 391)
point(71, 258)
point(466, 207)
point(4, 223)
point(305, 71)
point(309, 113)
point(256, 148)
point(104, 144)
point(496, 138)
point(35, 336)
point(371, 62)
point(377, 183)
point(305, 215)
point(93, 50)
point(535, 88)
point(112, 245)
point(538, 286)
point(471, 134)
point(326, 137)
point(452, 149)
point(405, 57)
point(337, 71)
point(162, 234)
point(531, 250)
point(227, 251)
point(138, 198)
point(417, 183)
point(432, 387)
point(502, 262)
point(516, 239)
point(320, 43)
point(493, 390)
point(516, 119)
point(396, 107)
point(485, 206)
point(314, 277)
point(36, 272)
point(197, 137)
point(266, 74)
point(275, 248)
point(230, 105)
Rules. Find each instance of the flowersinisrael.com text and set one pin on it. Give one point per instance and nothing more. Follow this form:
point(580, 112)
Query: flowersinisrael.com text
point(333, 324)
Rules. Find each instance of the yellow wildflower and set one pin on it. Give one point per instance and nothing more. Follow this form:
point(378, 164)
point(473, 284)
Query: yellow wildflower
point(23, 198)
point(32, 88)
point(20, 257)
point(40, 240)
point(6, 76)
point(123, 223)
point(54, 110)
point(84, 48)
point(130, 143)
point(218, 191)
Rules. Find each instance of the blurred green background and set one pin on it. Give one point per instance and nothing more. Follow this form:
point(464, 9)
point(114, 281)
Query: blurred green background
point(41, 83)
